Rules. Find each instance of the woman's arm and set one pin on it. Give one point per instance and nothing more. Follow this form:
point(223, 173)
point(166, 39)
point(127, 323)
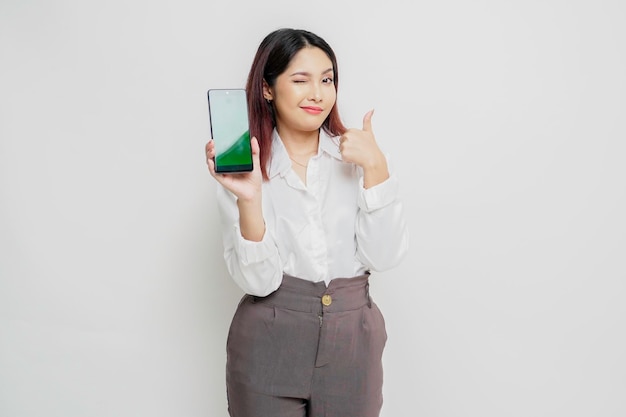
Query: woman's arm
point(250, 253)
point(253, 264)
point(381, 231)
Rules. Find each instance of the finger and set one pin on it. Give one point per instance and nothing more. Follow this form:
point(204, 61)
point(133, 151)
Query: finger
point(367, 121)
point(256, 160)
point(210, 151)
point(254, 144)
point(211, 164)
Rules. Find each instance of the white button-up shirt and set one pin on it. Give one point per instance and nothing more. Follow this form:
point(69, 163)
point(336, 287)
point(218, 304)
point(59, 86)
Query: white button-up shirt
point(329, 228)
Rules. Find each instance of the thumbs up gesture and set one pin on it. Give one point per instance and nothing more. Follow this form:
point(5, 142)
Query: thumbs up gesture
point(359, 147)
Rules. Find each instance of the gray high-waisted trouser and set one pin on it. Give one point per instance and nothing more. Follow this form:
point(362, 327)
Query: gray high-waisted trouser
point(307, 350)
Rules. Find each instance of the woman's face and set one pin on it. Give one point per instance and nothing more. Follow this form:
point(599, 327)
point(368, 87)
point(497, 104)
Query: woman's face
point(304, 94)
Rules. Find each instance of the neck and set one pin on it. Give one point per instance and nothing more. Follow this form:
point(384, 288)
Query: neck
point(300, 143)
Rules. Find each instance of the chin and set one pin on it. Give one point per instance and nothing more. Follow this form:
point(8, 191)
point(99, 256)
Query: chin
point(311, 126)
point(315, 127)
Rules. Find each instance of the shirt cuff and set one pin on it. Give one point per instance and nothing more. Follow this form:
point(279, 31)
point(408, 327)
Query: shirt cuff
point(378, 196)
point(251, 252)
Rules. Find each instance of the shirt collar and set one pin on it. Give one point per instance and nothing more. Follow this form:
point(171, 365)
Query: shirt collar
point(280, 163)
point(329, 144)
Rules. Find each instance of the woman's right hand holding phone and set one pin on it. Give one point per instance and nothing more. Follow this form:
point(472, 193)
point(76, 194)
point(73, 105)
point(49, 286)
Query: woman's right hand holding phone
point(244, 185)
point(247, 188)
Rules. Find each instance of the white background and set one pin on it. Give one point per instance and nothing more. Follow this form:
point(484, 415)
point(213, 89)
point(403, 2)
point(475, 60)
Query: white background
point(505, 120)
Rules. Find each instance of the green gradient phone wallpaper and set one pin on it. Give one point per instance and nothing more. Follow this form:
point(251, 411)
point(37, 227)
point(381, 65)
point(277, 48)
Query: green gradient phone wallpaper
point(228, 115)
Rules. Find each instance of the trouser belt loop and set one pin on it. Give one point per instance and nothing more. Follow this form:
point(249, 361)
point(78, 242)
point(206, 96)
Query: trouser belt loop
point(367, 294)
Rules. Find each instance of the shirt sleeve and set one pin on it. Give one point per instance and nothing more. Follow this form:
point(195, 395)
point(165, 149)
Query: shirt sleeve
point(254, 266)
point(381, 231)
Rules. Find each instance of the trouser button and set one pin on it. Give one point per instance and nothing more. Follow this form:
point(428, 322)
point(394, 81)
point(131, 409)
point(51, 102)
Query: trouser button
point(327, 300)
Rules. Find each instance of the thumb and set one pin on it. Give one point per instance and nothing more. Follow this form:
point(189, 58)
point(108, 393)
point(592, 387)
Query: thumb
point(367, 121)
point(254, 145)
point(256, 154)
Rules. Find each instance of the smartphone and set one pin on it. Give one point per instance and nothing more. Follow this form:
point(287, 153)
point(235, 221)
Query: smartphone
point(230, 130)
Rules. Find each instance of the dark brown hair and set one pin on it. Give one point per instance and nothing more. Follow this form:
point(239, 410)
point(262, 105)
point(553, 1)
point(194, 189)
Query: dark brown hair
point(272, 58)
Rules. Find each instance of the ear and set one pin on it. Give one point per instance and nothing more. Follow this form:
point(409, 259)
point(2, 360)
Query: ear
point(267, 91)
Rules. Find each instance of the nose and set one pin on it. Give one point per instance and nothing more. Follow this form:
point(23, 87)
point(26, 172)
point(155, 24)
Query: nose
point(316, 93)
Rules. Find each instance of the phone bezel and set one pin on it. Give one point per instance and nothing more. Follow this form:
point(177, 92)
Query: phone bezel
point(229, 169)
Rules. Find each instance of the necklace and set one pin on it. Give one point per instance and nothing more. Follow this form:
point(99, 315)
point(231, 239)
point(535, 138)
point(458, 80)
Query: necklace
point(298, 163)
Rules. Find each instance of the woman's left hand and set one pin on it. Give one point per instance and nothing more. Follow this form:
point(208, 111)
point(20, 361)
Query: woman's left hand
point(359, 146)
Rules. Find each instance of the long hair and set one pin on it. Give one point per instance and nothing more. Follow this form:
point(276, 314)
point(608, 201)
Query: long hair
point(272, 58)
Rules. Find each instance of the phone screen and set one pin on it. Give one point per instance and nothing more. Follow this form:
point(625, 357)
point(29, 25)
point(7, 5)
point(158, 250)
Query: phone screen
point(228, 116)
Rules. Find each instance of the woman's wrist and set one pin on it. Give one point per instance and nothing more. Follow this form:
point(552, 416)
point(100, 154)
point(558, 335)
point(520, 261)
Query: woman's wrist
point(251, 222)
point(375, 171)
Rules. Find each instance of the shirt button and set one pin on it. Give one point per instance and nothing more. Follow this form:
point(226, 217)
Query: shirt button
point(327, 300)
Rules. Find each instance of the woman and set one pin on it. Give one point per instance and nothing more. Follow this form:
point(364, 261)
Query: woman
point(301, 233)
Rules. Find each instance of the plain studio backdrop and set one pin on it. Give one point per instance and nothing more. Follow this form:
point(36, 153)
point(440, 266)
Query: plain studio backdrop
point(505, 120)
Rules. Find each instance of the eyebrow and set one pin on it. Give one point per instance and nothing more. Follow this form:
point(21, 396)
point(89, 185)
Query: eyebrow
point(308, 73)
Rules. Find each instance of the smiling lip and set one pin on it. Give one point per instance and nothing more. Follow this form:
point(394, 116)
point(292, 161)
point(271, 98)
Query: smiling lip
point(312, 109)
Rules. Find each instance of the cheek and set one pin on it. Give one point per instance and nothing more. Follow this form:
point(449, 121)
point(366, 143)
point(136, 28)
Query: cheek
point(332, 101)
point(332, 96)
point(282, 108)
